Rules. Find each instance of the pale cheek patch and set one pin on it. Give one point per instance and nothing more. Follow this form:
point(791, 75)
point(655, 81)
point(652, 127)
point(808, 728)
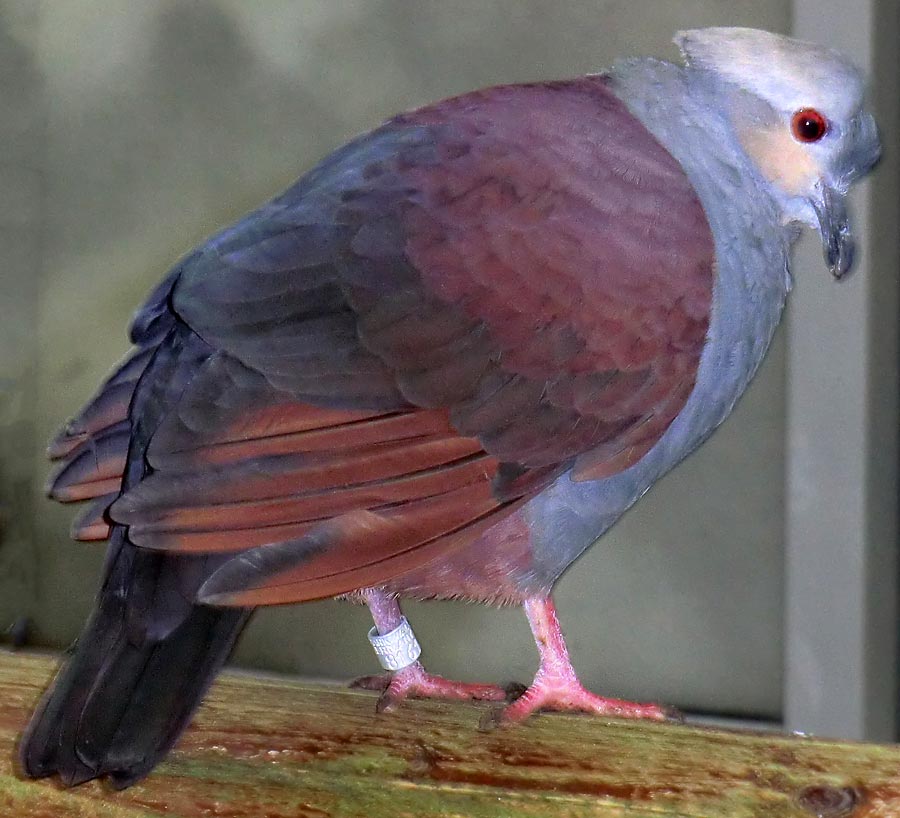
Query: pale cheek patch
point(782, 160)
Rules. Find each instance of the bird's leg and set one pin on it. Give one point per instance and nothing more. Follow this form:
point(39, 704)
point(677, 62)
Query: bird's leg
point(413, 681)
point(555, 686)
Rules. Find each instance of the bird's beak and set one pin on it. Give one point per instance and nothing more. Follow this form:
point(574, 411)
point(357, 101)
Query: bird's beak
point(834, 227)
point(829, 200)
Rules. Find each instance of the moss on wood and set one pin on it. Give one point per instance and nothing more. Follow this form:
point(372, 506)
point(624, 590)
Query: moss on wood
point(277, 749)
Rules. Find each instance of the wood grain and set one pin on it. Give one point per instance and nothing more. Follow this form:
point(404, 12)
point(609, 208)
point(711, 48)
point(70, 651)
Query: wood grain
point(281, 749)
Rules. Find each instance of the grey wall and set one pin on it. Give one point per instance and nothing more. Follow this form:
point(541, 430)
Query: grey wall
point(162, 121)
point(841, 574)
point(22, 173)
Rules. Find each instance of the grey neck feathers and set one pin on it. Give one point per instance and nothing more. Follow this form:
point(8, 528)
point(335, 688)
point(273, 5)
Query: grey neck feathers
point(683, 109)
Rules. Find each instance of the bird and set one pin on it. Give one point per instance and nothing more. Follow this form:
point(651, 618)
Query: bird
point(440, 366)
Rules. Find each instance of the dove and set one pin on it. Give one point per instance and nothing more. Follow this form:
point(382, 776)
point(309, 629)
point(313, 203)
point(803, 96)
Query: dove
point(440, 366)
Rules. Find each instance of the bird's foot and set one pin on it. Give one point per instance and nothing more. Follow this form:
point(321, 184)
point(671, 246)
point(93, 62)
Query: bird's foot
point(414, 682)
point(569, 694)
point(556, 685)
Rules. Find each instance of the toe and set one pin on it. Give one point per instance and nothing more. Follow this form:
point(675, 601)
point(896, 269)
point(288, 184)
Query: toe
point(380, 682)
point(388, 701)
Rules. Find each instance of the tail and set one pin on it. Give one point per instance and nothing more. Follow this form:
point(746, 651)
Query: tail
point(121, 702)
point(148, 653)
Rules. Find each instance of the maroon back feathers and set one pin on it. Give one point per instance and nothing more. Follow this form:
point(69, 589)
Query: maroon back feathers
point(420, 334)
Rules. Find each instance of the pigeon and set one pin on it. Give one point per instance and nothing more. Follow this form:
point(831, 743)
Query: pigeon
point(441, 365)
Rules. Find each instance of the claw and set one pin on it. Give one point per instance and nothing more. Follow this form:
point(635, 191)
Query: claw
point(414, 682)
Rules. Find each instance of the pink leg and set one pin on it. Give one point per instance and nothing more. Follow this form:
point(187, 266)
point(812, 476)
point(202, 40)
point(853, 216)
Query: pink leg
point(555, 686)
point(413, 681)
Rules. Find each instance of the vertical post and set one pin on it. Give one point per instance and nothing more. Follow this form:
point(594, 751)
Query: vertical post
point(841, 525)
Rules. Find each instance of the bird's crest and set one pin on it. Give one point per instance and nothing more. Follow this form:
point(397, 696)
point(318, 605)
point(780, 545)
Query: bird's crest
point(786, 72)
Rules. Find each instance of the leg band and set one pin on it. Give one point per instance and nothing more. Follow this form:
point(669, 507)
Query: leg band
point(397, 649)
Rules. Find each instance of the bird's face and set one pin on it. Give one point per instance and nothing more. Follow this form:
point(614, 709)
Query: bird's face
point(798, 111)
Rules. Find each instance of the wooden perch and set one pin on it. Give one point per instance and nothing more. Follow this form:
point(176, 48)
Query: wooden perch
point(279, 749)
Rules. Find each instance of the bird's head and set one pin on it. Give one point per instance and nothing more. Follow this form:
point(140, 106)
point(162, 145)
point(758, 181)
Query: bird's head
point(798, 111)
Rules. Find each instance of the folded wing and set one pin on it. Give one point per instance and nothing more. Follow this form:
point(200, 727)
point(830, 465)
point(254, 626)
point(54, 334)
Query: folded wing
point(419, 335)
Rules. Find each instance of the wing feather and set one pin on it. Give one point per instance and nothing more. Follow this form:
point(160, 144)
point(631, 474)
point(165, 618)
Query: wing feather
point(420, 334)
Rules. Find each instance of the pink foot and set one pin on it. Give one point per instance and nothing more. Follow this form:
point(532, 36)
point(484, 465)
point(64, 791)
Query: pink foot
point(414, 682)
point(556, 687)
point(568, 694)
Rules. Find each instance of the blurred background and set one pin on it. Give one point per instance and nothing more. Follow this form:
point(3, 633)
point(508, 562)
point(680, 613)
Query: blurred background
point(758, 581)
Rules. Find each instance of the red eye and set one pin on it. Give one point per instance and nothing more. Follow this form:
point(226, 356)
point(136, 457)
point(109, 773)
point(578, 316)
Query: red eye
point(808, 125)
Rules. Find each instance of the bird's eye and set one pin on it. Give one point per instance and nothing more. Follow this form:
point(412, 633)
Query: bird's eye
point(808, 125)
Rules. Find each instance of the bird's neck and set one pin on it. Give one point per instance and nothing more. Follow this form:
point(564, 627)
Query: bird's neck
point(683, 109)
point(752, 281)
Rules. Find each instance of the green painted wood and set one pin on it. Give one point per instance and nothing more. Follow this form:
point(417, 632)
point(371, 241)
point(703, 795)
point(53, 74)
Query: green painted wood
point(264, 748)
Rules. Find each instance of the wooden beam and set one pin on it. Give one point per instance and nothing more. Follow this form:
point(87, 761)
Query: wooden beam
point(287, 750)
point(842, 405)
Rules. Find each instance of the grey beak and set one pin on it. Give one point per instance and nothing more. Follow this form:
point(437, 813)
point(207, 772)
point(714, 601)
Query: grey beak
point(834, 227)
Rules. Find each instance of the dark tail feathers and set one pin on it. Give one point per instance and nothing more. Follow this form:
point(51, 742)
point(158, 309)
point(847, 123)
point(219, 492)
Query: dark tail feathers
point(148, 653)
point(118, 707)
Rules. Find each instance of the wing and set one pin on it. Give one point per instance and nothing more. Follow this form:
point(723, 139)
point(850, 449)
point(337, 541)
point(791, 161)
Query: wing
point(424, 331)
point(91, 449)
